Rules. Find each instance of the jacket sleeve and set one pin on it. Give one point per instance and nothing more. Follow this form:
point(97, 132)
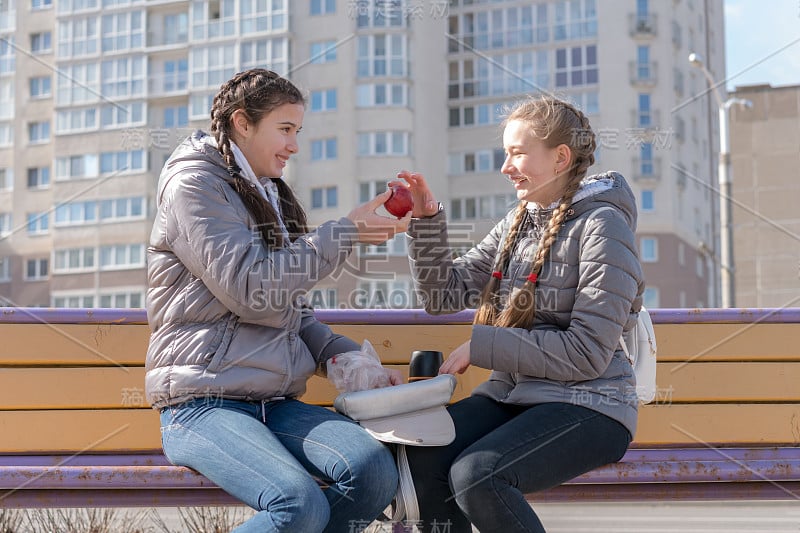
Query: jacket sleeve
point(609, 280)
point(443, 284)
point(321, 341)
point(216, 245)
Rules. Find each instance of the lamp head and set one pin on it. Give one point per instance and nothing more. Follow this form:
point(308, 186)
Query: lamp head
point(696, 60)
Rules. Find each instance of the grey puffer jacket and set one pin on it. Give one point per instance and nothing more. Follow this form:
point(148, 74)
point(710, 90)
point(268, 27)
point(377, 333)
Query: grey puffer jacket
point(226, 314)
point(588, 291)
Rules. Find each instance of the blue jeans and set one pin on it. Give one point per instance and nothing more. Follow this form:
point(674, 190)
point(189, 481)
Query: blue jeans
point(502, 452)
point(272, 456)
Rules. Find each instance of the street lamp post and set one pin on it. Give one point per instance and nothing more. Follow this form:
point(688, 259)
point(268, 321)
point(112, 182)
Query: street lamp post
point(727, 292)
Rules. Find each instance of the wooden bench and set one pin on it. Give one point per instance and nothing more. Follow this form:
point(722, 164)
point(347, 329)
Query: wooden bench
point(75, 429)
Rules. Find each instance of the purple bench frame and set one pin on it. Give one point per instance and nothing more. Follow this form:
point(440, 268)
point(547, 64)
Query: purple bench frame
point(148, 480)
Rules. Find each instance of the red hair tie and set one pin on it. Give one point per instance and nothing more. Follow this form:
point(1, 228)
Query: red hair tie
point(497, 274)
point(533, 277)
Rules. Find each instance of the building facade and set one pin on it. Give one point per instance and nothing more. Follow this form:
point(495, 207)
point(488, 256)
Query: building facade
point(96, 94)
point(765, 158)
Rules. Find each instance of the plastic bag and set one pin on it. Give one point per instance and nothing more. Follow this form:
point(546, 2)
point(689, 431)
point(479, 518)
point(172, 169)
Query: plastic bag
point(357, 370)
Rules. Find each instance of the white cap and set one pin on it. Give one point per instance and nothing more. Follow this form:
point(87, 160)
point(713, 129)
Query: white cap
point(414, 414)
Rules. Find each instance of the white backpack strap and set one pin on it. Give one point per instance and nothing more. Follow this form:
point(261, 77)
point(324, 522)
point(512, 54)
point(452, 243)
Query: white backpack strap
point(406, 505)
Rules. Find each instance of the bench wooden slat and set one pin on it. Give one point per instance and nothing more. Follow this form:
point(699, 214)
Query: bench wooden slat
point(736, 382)
point(137, 430)
point(108, 345)
point(727, 342)
point(123, 387)
point(73, 344)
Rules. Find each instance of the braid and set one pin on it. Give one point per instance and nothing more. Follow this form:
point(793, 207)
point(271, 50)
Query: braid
point(257, 92)
point(487, 309)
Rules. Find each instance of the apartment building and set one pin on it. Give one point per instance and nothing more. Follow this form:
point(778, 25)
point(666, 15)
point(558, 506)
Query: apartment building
point(96, 94)
point(765, 156)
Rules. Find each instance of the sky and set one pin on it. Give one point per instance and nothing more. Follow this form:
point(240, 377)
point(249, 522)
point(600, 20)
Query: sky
point(762, 42)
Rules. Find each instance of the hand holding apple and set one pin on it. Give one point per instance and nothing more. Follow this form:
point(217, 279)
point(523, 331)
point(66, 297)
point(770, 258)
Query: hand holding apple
point(400, 202)
point(424, 203)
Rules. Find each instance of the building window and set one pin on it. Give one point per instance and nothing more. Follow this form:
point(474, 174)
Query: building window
point(41, 4)
point(76, 120)
point(323, 52)
point(38, 223)
point(272, 52)
point(39, 178)
point(479, 161)
point(478, 115)
point(322, 298)
point(324, 100)
point(324, 149)
point(6, 179)
point(119, 115)
point(122, 300)
point(394, 294)
point(40, 87)
point(176, 117)
point(382, 94)
point(173, 28)
point(261, 16)
point(643, 70)
point(122, 162)
point(36, 269)
point(176, 75)
point(646, 164)
point(380, 143)
point(39, 132)
point(382, 14)
point(647, 197)
point(122, 31)
point(78, 84)
point(576, 66)
point(5, 267)
point(6, 134)
point(73, 301)
point(76, 213)
point(645, 116)
point(77, 37)
point(575, 19)
point(123, 78)
point(650, 298)
point(76, 167)
point(488, 207)
point(212, 19)
point(382, 55)
point(370, 189)
point(71, 6)
point(42, 43)
point(5, 224)
point(648, 249)
point(324, 197)
point(122, 209)
point(121, 256)
point(212, 66)
point(323, 7)
point(7, 55)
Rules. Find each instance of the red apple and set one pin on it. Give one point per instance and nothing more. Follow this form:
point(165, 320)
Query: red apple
point(400, 202)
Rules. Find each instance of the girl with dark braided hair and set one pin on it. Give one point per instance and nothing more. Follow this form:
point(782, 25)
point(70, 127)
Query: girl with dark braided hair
point(555, 284)
point(233, 342)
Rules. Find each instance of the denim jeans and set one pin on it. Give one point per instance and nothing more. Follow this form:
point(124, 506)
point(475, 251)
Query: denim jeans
point(502, 452)
point(271, 457)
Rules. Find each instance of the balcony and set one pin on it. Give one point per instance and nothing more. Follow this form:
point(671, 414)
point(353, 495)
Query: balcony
point(642, 25)
point(646, 170)
point(643, 74)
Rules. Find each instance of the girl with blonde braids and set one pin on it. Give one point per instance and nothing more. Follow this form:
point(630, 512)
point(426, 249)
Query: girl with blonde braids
point(233, 342)
point(555, 284)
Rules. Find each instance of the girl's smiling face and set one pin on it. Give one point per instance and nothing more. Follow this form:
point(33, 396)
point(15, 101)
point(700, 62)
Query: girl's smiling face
point(536, 170)
point(269, 143)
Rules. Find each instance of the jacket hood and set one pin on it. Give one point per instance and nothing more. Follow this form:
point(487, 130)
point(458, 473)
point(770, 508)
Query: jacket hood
point(198, 150)
point(606, 189)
